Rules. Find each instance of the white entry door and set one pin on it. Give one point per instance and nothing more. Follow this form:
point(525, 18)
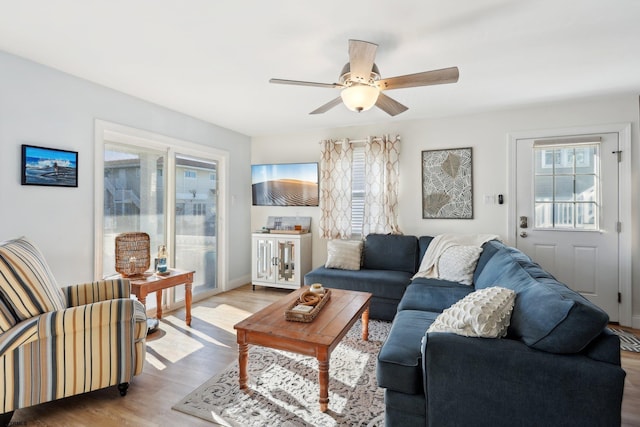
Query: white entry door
point(567, 207)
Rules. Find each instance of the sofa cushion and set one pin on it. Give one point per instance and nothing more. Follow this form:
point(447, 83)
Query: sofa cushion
point(506, 255)
point(485, 313)
point(547, 314)
point(399, 365)
point(344, 254)
point(489, 249)
point(381, 283)
point(458, 263)
point(26, 282)
point(391, 252)
point(428, 294)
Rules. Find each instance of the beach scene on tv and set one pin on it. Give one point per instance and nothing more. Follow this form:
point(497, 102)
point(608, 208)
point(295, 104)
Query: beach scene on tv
point(44, 166)
point(290, 184)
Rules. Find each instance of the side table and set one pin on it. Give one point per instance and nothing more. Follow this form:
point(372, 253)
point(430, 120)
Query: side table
point(141, 287)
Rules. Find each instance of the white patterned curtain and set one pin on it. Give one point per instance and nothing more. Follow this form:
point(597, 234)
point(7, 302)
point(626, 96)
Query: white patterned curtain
point(335, 189)
point(381, 186)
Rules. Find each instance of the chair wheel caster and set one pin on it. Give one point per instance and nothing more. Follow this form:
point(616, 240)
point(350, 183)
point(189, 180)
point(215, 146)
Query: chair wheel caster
point(122, 388)
point(5, 419)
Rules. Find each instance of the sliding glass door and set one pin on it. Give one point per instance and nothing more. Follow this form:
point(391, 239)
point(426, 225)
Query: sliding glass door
point(173, 198)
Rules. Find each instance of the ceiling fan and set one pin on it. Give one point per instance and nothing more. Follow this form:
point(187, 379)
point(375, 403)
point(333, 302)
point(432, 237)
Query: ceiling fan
point(362, 86)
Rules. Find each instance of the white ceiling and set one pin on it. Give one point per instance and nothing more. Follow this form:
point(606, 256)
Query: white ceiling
point(212, 59)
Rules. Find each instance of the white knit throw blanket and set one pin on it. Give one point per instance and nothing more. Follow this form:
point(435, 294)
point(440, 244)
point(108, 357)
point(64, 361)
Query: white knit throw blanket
point(442, 242)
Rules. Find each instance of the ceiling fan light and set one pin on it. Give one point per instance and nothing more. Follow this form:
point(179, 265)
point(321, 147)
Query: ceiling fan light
point(360, 97)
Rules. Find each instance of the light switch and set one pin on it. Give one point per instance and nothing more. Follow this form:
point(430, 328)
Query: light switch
point(489, 199)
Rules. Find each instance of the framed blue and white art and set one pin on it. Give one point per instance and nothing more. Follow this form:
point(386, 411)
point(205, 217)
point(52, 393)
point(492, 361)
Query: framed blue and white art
point(49, 166)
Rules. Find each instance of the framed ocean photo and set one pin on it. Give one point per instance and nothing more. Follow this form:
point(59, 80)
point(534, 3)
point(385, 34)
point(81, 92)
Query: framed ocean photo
point(49, 166)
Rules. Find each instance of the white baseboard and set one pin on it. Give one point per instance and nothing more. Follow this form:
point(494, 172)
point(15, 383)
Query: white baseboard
point(635, 322)
point(236, 283)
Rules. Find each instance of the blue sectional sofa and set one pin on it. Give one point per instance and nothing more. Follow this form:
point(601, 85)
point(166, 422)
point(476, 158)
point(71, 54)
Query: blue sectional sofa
point(557, 366)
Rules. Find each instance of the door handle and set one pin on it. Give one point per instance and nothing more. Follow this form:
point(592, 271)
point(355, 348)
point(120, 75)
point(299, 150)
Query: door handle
point(523, 234)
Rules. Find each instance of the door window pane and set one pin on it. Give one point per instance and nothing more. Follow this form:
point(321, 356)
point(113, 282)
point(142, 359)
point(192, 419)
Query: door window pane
point(586, 216)
point(544, 188)
point(563, 188)
point(586, 160)
point(586, 188)
point(196, 221)
point(563, 215)
point(543, 215)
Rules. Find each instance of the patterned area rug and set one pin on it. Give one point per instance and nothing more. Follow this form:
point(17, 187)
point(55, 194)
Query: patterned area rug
point(628, 341)
point(283, 387)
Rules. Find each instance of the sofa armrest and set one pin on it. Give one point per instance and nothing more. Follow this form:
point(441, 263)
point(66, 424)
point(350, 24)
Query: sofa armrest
point(101, 290)
point(58, 326)
point(503, 382)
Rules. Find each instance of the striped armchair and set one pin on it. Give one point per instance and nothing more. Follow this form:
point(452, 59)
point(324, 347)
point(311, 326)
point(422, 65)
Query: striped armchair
point(58, 342)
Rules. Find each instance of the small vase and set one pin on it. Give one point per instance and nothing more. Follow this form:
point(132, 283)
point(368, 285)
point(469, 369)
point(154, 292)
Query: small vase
point(162, 259)
point(317, 289)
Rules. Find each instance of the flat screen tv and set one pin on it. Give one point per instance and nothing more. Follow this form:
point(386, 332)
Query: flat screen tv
point(285, 184)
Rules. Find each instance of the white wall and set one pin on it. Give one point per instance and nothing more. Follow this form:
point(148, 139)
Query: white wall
point(41, 106)
point(487, 135)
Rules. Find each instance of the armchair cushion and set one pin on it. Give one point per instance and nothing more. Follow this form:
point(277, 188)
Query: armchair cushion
point(27, 285)
point(7, 319)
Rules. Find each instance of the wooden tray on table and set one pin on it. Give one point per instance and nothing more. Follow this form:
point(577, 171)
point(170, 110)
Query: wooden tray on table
point(298, 316)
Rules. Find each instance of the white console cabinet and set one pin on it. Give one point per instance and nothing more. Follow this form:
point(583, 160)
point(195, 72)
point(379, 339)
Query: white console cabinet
point(280, 260)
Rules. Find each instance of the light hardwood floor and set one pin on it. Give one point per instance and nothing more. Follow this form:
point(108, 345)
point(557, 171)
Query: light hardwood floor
point(180, 358)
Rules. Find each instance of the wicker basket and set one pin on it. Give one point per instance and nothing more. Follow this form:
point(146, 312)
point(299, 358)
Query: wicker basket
point(297, 316)
point(132, 253)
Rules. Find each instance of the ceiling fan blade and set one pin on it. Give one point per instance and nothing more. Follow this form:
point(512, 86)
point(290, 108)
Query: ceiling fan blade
point(326, 107)
point(361, 57)
point(301, 83)
point(435, 77)
point(389, 105)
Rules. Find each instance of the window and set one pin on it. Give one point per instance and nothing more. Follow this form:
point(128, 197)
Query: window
point(566, 181)
point(190, 174)
point(358, 193)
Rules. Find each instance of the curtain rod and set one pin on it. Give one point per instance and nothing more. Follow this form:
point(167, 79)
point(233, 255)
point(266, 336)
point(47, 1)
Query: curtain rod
point(359, 141)
point(351, 141)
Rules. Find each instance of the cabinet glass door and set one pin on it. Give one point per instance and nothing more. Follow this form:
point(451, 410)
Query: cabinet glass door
point(286, 262)
point(265, 260)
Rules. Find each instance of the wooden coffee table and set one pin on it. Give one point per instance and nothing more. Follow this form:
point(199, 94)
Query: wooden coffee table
point(318, 338)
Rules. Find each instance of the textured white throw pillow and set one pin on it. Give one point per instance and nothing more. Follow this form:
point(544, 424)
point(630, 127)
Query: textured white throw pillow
point(344, 254)
point(458, 263)
point(484, 313)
